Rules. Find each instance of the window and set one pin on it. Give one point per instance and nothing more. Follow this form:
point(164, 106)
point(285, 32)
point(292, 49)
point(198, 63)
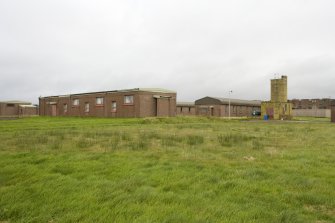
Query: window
point(10, 105)
point(65, 108)
point(99, 101)
point(87, 107)
point(75, 102)
point(129, 99)
point(203, 110)
point(113, 106)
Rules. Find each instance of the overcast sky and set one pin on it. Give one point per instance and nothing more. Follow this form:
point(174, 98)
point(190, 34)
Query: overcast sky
point(195, 47)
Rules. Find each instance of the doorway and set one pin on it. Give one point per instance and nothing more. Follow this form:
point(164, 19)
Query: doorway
point(270, 112)
point(53, 110)
point(212, 111)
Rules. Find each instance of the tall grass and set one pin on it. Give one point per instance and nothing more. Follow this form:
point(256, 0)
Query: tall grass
point(231, 139)
point(166, 170)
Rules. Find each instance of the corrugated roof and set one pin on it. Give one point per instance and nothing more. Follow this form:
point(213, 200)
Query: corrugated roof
point(154, 90)
point(217, 100)
point(238, 101)
point(15, 102)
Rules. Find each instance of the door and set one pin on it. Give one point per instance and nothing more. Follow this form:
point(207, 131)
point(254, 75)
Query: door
point(155, 107)
point(53, 110)
point(163, 107)
point(269, 112)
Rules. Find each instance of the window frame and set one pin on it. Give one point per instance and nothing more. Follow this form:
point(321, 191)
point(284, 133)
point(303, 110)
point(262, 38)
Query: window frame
point(87, 107)
point(114, 108)
point(65, 108)
point(125, 100)
point(102, 101)
point(75, 104)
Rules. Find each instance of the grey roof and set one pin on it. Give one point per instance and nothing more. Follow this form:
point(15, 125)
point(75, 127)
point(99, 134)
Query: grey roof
point(239, 101)
point(16, 102)
point(218, 100)
point(153, 90)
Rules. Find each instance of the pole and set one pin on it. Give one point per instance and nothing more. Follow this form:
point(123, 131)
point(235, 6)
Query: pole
point(229, 103)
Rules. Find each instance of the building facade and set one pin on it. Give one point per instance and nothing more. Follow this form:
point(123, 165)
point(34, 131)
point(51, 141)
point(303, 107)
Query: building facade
point(185, 108)
point(219, 107)
point(137, 102)
point(312, 107)
point(316, 103)
point(278, 108)
point(17, 109)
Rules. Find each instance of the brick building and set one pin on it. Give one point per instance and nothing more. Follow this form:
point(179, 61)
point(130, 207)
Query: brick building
point(137, 102)
point(17, 109)
point(219, 107)
point(185, 108)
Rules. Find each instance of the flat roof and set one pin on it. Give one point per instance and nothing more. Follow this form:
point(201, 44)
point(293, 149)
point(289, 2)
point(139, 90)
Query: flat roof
point(153, 90)
point(28, 106)
point(15, 102)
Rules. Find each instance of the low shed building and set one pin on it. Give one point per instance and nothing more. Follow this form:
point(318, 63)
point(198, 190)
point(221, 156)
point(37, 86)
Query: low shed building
point(213, 106)
point(185, 108)
point(17, 109)
point(137, 102)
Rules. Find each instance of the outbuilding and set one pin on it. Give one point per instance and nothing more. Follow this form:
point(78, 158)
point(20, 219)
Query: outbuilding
point(12, 109)
point(137, 102)
point(219, 107)
point(185, 108)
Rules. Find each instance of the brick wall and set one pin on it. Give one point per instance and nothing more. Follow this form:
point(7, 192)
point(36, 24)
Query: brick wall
point(145, 104)
point(324, 103)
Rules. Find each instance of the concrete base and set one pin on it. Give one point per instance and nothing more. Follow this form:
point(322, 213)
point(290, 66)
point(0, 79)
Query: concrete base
point(277, 110)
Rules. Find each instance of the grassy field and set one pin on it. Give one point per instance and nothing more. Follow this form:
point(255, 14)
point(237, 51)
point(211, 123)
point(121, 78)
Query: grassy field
point(166, 170)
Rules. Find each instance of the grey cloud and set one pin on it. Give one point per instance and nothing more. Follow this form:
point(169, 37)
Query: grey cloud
point(197, 48)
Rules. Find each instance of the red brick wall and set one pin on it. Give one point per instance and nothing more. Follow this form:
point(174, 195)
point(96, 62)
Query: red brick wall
point(185, 110)
point(28, 111)
point(144, 105)
point(9, 111)
point(223, 110)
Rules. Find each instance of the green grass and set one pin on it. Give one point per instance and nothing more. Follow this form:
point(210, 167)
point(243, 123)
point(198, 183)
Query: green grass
point(166, 170)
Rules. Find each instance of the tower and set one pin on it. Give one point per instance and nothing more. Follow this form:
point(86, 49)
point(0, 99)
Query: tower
point(279, 89)
point(278, 108)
